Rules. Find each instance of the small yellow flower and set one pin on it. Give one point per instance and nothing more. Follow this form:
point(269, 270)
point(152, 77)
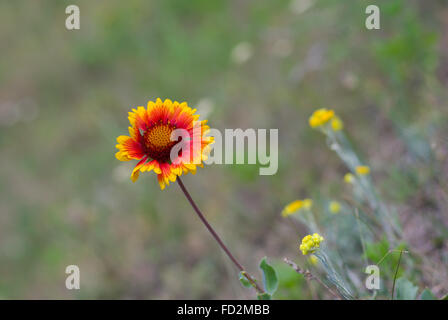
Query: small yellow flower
point(313, 260)
point(296, 206)
point(320, 117)
point(349, 178)
point(362, 170)
point(307, 204)
point(335, 207)
point(337, 124)
point(311, 243)
point(292, 207)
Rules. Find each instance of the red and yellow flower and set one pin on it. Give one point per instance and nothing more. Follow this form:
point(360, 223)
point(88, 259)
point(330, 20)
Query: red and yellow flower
point(151, 140)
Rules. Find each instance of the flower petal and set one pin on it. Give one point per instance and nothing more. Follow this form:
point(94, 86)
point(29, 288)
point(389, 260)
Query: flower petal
point(136, 172)
point(129, 149)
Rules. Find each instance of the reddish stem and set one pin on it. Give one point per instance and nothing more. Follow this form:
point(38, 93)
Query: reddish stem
point(217, 238)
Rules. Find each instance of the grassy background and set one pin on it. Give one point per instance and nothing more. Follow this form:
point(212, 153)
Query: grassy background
point(64, 98)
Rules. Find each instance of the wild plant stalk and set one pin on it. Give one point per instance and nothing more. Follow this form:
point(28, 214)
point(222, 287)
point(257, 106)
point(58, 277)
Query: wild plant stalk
point(368, 219)
point(361, 236)
point(388, 253)
point(307, 218)
point(218, 239)
point(333, 276)
point(309, 276)
point(396, 273)
point(339, 143)
point(398, 266)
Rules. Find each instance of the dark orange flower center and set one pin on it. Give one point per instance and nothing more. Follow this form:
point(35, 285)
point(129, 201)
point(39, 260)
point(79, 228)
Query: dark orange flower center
point(158, 142)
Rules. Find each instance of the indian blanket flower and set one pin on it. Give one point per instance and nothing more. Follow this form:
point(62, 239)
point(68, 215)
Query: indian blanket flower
point(152, 138)
point(167, 138)
point(296, 206)
point(321, 117)
point(311, 243)
point(362, 170)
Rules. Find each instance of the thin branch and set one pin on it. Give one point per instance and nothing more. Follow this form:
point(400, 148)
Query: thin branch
point(361, 236)
point(309, 276)
point(395, 276)
point(369, 214)
point(388, 253)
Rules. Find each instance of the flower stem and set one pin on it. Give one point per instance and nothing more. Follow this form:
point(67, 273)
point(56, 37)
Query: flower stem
point(395, 276)
point(309, 276)
point(218, 239)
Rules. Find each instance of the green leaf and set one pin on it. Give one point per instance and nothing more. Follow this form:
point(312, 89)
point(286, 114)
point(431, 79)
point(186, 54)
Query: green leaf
point(445, 297)
point(244, 280)
point(270, 279)
point(376, 251)
point(264, 296)
point(405, 290)
point(427, 295)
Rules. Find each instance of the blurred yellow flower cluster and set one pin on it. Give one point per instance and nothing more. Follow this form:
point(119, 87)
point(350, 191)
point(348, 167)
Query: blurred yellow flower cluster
point(322, 116)
point(297, 205)
point(310, 243)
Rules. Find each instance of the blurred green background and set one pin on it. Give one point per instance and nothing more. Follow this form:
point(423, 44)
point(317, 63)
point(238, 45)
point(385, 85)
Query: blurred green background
point(64, 98)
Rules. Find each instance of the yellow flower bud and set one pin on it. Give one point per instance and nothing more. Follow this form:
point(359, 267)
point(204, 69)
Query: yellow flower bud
point(307, 203)
point(335, 207)
point(320, 117)
point(310, 243)
point(362, 170)
point(337, 124)
point(292, 207)
point(349, 178)
point(313, 260)
point(297, 205)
